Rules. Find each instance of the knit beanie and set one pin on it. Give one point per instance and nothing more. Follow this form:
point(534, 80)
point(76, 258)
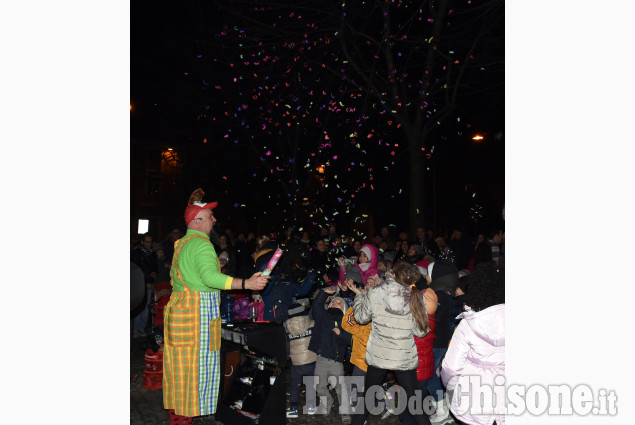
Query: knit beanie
point(335, 299)
point(353, 273)
point(389, 256)
point(418, 248)
point(444, 275)
point(442, 268)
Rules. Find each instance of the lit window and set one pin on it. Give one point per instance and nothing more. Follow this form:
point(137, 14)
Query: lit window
point(144, 225)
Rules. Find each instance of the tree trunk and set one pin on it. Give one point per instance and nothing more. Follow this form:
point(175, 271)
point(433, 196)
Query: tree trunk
point(417, 188)
point(434, 197)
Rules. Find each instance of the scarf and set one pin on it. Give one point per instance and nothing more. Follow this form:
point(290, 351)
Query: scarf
point(146, 251)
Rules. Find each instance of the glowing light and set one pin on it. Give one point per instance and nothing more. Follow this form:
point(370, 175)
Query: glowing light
point(170, 160)
point(143, 226)
point(478, 138)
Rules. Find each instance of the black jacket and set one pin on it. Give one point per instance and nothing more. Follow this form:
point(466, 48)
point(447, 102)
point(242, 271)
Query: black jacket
point(324, 341)
point(442, 319)
point(319, 261)
point(483, 253)
point(147, 262)
point(445, 280)
point(279, 293)
point(463, 251)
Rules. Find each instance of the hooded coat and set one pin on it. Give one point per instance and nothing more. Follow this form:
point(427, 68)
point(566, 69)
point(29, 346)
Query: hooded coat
point(360, 338)
point(371, 270)
point(324, 341)
point(391, 344)
point(477, 348)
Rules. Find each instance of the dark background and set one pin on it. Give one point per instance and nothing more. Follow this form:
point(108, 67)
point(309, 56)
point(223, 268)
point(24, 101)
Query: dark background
point(175, 53)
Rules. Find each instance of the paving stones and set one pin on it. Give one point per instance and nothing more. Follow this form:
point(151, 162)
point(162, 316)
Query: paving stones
point(146, 406)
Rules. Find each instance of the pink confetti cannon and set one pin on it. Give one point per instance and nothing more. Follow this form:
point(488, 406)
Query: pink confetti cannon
point(272, 263)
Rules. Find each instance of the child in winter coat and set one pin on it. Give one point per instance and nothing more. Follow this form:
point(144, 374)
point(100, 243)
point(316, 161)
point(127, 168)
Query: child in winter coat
point(425, 370)
point(279, 293)
point(360, 334)
point(299, 327)
point(366, 263)
point(443, 279)
point(353, 277)
point(478, 345)
point(398, 312)
point(388, 261)
point(329, 342)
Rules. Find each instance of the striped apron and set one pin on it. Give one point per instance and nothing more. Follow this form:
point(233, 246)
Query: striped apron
point(191, 361)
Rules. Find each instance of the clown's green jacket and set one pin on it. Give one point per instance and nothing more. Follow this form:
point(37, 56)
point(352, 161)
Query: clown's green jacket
point(198, 265)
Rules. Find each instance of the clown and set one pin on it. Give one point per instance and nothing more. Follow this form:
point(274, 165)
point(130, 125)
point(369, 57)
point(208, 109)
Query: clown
point(191, 371)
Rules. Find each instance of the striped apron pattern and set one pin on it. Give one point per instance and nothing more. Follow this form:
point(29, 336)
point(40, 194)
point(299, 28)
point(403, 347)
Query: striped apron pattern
point(191, 362)
point(209, 353)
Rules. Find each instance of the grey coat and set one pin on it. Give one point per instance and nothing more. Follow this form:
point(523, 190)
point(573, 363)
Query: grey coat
point(391, 344)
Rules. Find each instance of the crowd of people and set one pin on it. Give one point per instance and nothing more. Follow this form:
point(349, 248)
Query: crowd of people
point(421, 310)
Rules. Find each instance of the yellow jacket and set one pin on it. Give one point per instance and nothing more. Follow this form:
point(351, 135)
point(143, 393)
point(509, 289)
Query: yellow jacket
point(360, 338)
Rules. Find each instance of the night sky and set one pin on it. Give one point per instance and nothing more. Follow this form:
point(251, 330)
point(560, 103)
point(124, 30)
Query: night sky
point(256, 95)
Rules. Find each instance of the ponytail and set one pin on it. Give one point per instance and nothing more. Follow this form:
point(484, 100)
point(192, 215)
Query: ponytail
point(407, 274)
point(418, 309)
